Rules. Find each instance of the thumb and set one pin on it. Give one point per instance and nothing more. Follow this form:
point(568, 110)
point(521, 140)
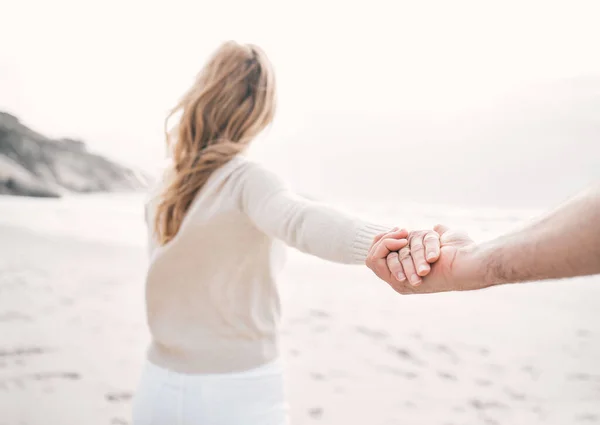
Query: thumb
point(394, 244)
point(381, 250)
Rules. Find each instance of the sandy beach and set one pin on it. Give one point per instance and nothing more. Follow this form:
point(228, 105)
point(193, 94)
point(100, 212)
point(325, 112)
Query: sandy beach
point(73, 336)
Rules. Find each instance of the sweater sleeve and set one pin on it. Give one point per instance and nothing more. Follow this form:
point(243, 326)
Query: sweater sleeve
point(309, 226)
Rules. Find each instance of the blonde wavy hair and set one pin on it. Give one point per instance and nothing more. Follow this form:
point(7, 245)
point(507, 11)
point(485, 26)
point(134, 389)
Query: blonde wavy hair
point(229, 104)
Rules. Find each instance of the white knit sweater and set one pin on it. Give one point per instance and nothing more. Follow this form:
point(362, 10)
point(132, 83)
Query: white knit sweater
point(212, 299)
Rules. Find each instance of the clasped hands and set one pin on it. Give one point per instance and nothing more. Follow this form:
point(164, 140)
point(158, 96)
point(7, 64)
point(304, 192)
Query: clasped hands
point(426, 261)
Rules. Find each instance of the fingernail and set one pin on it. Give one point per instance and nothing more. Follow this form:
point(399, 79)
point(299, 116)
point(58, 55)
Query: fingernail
point(415, 279)
point(401, 277)
point(430, 256)
point(422, 269)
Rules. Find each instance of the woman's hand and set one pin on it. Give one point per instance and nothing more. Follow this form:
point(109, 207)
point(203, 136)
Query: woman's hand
point(409, 255)
point(384, 243)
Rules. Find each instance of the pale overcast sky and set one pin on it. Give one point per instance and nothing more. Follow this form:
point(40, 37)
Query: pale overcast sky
point(106, 71)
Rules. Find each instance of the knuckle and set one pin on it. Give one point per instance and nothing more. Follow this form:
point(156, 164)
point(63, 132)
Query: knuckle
point(416, 247)
point(431, 237)
point(404, 253)
point(414, 234)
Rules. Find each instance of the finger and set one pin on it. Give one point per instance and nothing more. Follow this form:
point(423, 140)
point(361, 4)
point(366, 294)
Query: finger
point(431, 240)
point(441, 229)
point(376, 243)
point(409, 268)
point(385, 246)
point(381, 235)
point(402, 287)
point(396, 269)
point(397, 233)
point(417, 252)
point(377, 258)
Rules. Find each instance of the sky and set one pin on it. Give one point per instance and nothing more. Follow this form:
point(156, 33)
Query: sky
point(107, 72)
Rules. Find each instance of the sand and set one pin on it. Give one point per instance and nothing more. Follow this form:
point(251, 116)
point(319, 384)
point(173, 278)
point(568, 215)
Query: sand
point(72, 341)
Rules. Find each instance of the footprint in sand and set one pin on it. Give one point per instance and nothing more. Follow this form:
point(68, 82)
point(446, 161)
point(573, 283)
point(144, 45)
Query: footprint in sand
point(22, 351)
point(588, 417)
point(495, 368)
point(118, 397)
point(515, 395)
point(403, 373)
point(531, 371)
point(583, 333)
point(316, 412)
point(583, 377)
point(539, 411)
point(486, 405)
point(371, 333)
point(319, 314)
point(14, 316)
point(66, 301)
point(298, 321)
point(69, 376)
point(447, 376)
point(448, 352)
point(404, 354)
point(442, 349)
point(319, 329)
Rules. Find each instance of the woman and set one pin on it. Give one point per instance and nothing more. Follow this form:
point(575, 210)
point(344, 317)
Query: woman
point(217, 226)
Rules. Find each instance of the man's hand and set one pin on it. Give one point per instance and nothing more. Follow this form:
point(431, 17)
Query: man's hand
point(457, 268)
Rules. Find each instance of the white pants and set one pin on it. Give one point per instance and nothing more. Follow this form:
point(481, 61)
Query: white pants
point(253, 397)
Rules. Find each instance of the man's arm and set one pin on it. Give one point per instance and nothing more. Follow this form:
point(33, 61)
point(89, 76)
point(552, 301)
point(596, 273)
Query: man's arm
point(564, 243)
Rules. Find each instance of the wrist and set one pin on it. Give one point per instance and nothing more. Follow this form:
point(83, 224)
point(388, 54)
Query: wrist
point(474, 271)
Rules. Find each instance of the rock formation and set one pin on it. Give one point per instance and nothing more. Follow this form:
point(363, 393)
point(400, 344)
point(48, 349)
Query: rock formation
point(34, 165)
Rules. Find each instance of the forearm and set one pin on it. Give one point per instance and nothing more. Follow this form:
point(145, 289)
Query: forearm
point(317, 229)
point(565, 243)
point(309, 226)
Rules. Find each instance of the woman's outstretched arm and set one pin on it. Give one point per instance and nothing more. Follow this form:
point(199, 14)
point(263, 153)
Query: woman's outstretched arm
point(309, 226)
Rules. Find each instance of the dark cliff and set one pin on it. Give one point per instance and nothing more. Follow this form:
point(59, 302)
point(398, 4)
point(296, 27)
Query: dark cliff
point(34, 165)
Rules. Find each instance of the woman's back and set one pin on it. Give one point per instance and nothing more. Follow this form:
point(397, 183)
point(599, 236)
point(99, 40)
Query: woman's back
point(212, 303)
